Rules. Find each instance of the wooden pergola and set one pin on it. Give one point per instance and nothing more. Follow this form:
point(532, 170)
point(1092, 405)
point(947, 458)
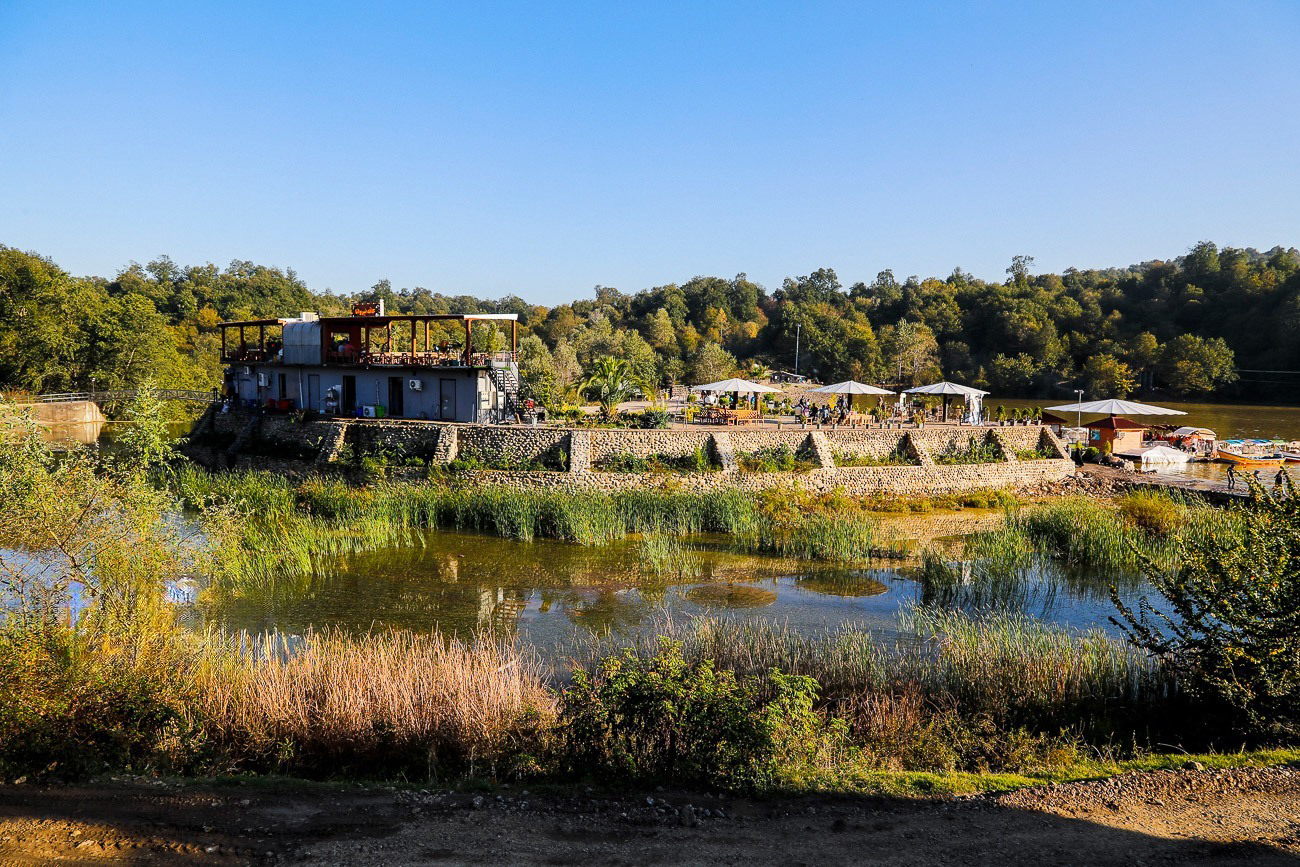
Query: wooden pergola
point(361, 332)
point(244, 353)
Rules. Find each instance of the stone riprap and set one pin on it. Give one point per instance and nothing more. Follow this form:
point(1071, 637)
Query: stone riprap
point(582, 450)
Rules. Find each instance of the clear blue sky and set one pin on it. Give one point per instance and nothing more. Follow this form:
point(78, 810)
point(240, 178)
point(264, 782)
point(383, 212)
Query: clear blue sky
point(544, 148)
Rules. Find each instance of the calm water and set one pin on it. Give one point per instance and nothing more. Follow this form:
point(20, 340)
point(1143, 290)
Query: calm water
point(1228, 421)
point(554, 594)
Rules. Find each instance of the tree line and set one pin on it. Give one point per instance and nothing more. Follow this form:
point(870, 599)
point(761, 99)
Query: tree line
point(1215, 322)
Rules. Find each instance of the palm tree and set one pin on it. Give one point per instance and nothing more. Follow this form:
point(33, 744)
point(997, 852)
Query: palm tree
point(612, 381)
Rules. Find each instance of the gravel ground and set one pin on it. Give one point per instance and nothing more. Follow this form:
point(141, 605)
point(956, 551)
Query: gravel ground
point(1169, 817)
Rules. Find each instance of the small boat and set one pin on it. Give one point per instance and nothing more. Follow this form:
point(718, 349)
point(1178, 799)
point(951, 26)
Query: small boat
point(1246, 454)
point(1291, 453)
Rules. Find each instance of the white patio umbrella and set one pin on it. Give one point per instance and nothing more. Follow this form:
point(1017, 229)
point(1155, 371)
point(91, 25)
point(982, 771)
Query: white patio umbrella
point(1116, 407)
point(850, 386)
point(740, 386)
point(949, 390)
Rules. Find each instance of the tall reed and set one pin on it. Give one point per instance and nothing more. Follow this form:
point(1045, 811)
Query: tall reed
point(394, 703)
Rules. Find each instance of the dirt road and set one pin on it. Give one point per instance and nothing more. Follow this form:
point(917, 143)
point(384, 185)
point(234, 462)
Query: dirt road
point(1167, 817)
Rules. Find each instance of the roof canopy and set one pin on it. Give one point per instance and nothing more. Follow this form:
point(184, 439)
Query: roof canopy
point(948, 388)
point(850, 386)
point(381, 321)
point(1193, 431)
point(1115, 422)
point(1116, 407)
point(741, 386)
point(1053, 418)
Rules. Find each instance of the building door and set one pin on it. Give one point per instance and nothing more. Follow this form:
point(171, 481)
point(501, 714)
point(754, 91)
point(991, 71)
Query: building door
point(348, 406)
point(284, 385)
point(395, 401)
point(313, 392)
point(447, 399)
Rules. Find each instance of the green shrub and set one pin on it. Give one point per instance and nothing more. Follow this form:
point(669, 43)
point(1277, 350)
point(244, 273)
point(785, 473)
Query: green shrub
point(650, 419)
point(776, 459)
point(67, 711)
point(660, 718)
point(899, 457)
point(973, 452)
point(697, 461)
point(1232, 630)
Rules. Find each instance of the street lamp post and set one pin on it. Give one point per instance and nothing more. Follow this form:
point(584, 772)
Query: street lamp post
point(1078, 419)
point(798, 327)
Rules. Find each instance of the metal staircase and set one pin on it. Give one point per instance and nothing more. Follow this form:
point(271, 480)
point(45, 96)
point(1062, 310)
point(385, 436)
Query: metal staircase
point(506, 380)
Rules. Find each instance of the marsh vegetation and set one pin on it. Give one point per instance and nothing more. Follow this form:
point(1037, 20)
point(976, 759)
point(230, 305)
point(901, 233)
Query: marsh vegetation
point(98, 671)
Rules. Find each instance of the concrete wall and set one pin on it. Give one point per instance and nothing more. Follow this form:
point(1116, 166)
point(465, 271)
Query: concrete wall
point(582, 450)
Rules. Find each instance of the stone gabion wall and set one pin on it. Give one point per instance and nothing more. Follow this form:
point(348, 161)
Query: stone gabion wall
point(644, 443)
point(865, 443)
point(513, 445)
point(854, 481)
point(746, 440)
point(936, 441)
point(580, 449)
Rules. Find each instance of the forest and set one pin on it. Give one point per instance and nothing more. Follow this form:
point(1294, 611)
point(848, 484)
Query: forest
point(1217, 323)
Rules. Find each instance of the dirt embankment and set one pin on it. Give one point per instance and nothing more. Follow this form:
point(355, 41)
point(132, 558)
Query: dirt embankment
point(1195, 817)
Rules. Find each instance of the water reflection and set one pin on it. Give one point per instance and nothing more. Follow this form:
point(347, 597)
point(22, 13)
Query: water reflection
point(737, 596)
point(552, 594)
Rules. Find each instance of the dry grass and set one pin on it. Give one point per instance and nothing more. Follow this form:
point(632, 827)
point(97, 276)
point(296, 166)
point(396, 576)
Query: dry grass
point(421, 706)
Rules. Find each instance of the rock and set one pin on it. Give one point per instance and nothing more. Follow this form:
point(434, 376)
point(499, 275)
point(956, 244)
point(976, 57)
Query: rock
point(1194, 766)
point(688, 816)
point(477, 802)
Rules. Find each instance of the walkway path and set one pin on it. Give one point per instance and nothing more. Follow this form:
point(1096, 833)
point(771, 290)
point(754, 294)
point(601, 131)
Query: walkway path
point(1183, 817)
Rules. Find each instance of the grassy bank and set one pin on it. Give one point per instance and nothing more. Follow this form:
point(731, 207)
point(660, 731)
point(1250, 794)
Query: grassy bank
point(710, 703)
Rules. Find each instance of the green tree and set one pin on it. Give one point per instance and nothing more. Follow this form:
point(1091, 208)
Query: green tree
point(1105, 375)
point(612, 381)
point(537, 375)
point(710, 364)
point(912, 351)
point(1197, 365)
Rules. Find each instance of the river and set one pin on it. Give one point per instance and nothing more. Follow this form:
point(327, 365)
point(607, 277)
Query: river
point(1227, 420)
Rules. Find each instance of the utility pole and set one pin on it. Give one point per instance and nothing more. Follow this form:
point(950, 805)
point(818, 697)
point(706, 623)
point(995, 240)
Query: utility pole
point(798, 326)
point(1078, 419)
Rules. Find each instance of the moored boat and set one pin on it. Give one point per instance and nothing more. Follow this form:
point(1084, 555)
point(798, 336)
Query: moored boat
point(1246, 453)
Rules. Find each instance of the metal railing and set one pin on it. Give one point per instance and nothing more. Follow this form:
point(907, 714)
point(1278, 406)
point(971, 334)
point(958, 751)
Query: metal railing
point(129, 393)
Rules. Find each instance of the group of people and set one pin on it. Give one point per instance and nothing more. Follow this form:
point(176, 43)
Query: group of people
point(809, 411)
point(730, 401)
point(1280, 481)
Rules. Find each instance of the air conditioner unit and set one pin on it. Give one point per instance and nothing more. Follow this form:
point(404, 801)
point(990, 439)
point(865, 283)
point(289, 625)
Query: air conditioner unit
point(247, 370)
point(263, 380)
point(415, 385)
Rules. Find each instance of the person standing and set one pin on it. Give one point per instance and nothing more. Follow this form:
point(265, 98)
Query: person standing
point(1279, 483)
point(1232, 477)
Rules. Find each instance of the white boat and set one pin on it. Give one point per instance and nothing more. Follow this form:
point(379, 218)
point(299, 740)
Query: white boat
point(1157, 455)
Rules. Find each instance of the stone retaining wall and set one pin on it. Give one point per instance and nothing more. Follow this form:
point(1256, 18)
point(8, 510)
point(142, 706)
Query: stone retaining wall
point(581, 450)
point(854, 481)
